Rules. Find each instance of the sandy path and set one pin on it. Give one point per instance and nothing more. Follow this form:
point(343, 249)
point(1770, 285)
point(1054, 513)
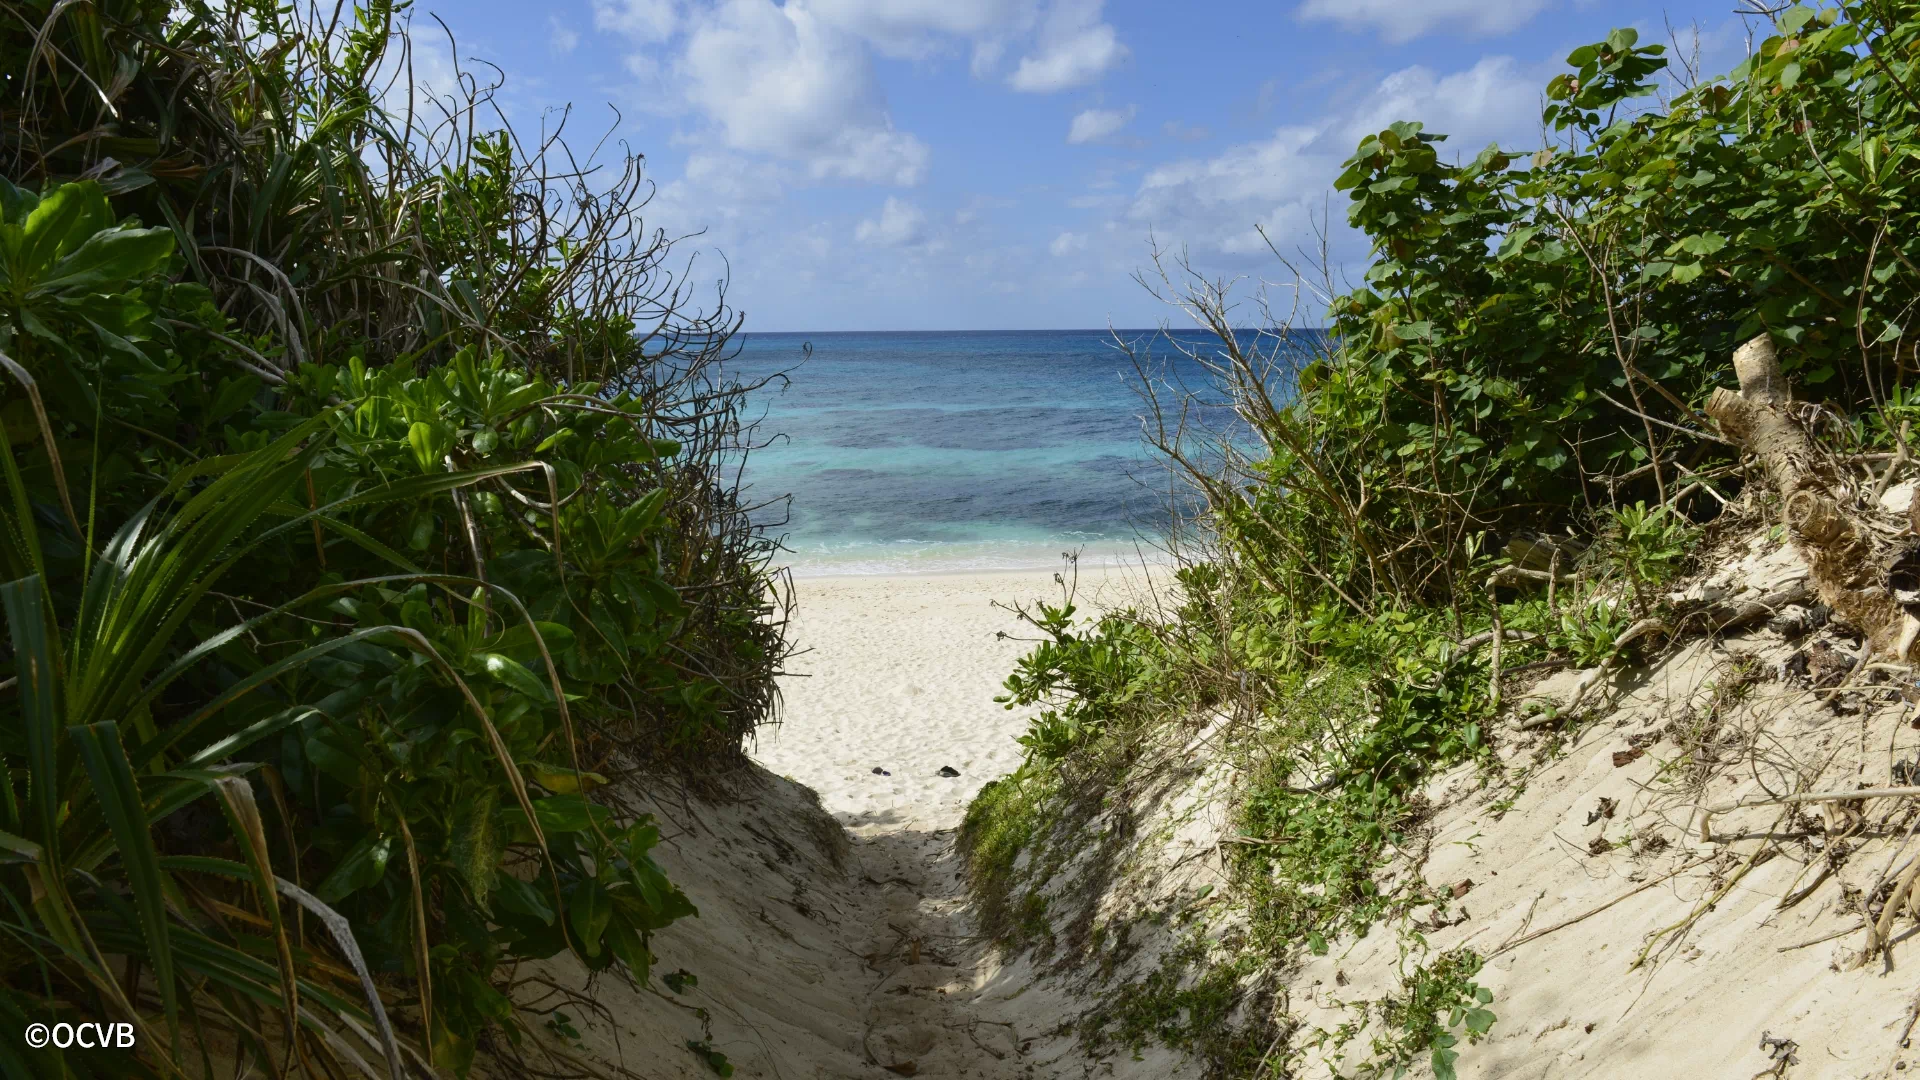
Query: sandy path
point(830, 953)
point(901, 676)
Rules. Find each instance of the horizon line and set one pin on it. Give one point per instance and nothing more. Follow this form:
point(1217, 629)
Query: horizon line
point(1039, 330)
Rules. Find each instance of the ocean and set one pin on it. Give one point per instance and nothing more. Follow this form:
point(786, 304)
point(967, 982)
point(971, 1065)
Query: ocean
point(910, 452)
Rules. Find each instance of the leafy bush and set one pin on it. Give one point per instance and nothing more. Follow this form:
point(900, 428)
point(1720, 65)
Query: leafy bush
point(1530, 349)
point(1086, 679)
point(366, 508)
point(1538, 328)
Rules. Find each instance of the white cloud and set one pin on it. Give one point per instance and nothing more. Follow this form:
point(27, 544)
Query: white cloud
point(1065, 42)
point(1491, 100)
point(913, 27)
point(776, 80)
point(1074, 48)
point(642, 20)
point(793, 79)
point(976, 208)
point(1095, 124)
point(1175, 130)
point(1217, 202)
point(563, 37)
point(1283, 183)
point(1066, 244)
point(1399, 21)
point(899, 224)
point(717, 189)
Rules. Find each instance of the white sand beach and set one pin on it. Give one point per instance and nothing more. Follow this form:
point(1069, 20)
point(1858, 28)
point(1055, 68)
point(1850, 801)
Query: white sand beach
point(900, 674)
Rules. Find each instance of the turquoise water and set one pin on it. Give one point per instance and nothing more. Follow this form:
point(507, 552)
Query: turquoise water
point(907, 452)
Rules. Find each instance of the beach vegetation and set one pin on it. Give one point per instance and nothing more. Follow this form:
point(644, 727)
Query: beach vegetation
point(368, 514)
point(1437, 1008)
point(1496, 458)
point(1190, 1002)
point(1004, 821)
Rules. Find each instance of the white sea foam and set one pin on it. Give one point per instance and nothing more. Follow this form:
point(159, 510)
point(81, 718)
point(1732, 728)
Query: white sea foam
point(938, 557)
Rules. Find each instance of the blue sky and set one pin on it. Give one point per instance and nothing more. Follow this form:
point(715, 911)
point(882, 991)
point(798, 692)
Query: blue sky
point(1003, 164)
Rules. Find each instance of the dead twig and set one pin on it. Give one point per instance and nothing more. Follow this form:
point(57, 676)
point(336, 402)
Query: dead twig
point(1591, 912)
point(1819, 797)
point(1706, 905)
point(1821, 938)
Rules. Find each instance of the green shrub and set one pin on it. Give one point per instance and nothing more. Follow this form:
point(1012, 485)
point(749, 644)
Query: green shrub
point(360, 517)
point(1539, 327)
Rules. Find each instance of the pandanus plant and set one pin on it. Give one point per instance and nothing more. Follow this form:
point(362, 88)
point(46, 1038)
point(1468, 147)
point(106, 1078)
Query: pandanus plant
point(191, 947)
point(88, 773)
point(179, 664)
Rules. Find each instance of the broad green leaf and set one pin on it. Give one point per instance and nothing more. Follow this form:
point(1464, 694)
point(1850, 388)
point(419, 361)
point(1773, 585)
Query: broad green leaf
point(1479, 1021)
point(15, 203)
point(333, 760)
point(1703, 244)
point(109, 259)
point(519, 638)
point(363, 865)
point(429, 445)
point(588, 909)
point(628, 947)
point(519, 897)
point(513, 673)
point(566, 813)
point(563, 781)
point(59, 214)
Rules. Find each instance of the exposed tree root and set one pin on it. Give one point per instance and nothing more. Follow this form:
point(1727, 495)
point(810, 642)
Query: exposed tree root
point(1846, 557)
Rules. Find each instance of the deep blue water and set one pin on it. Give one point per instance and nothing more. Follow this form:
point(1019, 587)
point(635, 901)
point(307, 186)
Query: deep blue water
point(959, 450)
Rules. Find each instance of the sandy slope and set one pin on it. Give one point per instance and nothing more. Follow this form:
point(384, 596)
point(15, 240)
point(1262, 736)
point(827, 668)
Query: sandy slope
point(1591, 854)
point(823, 953)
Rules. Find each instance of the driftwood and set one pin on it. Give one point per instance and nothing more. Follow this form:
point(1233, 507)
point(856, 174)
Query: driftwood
point(1514, 575)
point(1733, 614)
point(1844, 560)
point(1851, 567)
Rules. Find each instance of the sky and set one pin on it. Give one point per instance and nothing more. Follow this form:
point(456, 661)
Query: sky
point(1010, 164)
